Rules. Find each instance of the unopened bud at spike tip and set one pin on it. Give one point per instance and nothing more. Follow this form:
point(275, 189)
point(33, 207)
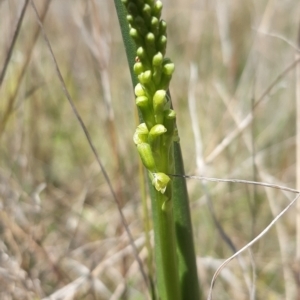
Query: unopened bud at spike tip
point(157, 9)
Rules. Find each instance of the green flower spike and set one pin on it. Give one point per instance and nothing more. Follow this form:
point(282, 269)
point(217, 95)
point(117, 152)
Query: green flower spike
point(154, 137)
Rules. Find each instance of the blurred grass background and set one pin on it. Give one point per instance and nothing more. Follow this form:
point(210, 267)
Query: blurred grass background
point(58, 220)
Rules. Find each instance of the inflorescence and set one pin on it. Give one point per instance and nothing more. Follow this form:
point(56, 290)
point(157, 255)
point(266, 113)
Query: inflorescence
point(154, 137)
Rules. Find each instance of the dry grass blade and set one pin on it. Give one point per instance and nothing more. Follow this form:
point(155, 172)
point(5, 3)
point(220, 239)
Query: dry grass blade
point(298, 146)
point(248, 119)
point(278, 36)
point(201, 169)
point(12, 99)
point(73, 286)
point(270, 185)
point(88, 137)
point(224, 264)
point(12, 44)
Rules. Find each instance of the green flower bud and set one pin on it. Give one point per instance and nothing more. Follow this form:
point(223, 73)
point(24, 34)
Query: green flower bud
point(143, 104)
point(142, 101)
point(141, 134)
point(162, 28)
point(150, 2)
point(157, 59)
point(145, 77)
point(139, 90)
point(142, 129)
point(157, 68)
point(170, 114)
point(169, 123)
point(160, 181)
point(162, 44)
point(150, 39)
point(142, 55)
point(154, 26)
point(129, 19)
point(155, 132)
point(146, 156)
point(138, 68)
point(147, 12)
point(159, 101)
point(157, 9)
point(150, 44)
point(136, 36)
point(168, 69)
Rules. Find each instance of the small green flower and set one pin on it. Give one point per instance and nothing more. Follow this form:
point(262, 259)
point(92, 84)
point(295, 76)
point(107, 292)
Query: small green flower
point(160, 181)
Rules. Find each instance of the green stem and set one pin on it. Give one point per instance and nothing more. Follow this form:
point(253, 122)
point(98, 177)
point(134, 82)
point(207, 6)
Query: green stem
point(167, 246)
